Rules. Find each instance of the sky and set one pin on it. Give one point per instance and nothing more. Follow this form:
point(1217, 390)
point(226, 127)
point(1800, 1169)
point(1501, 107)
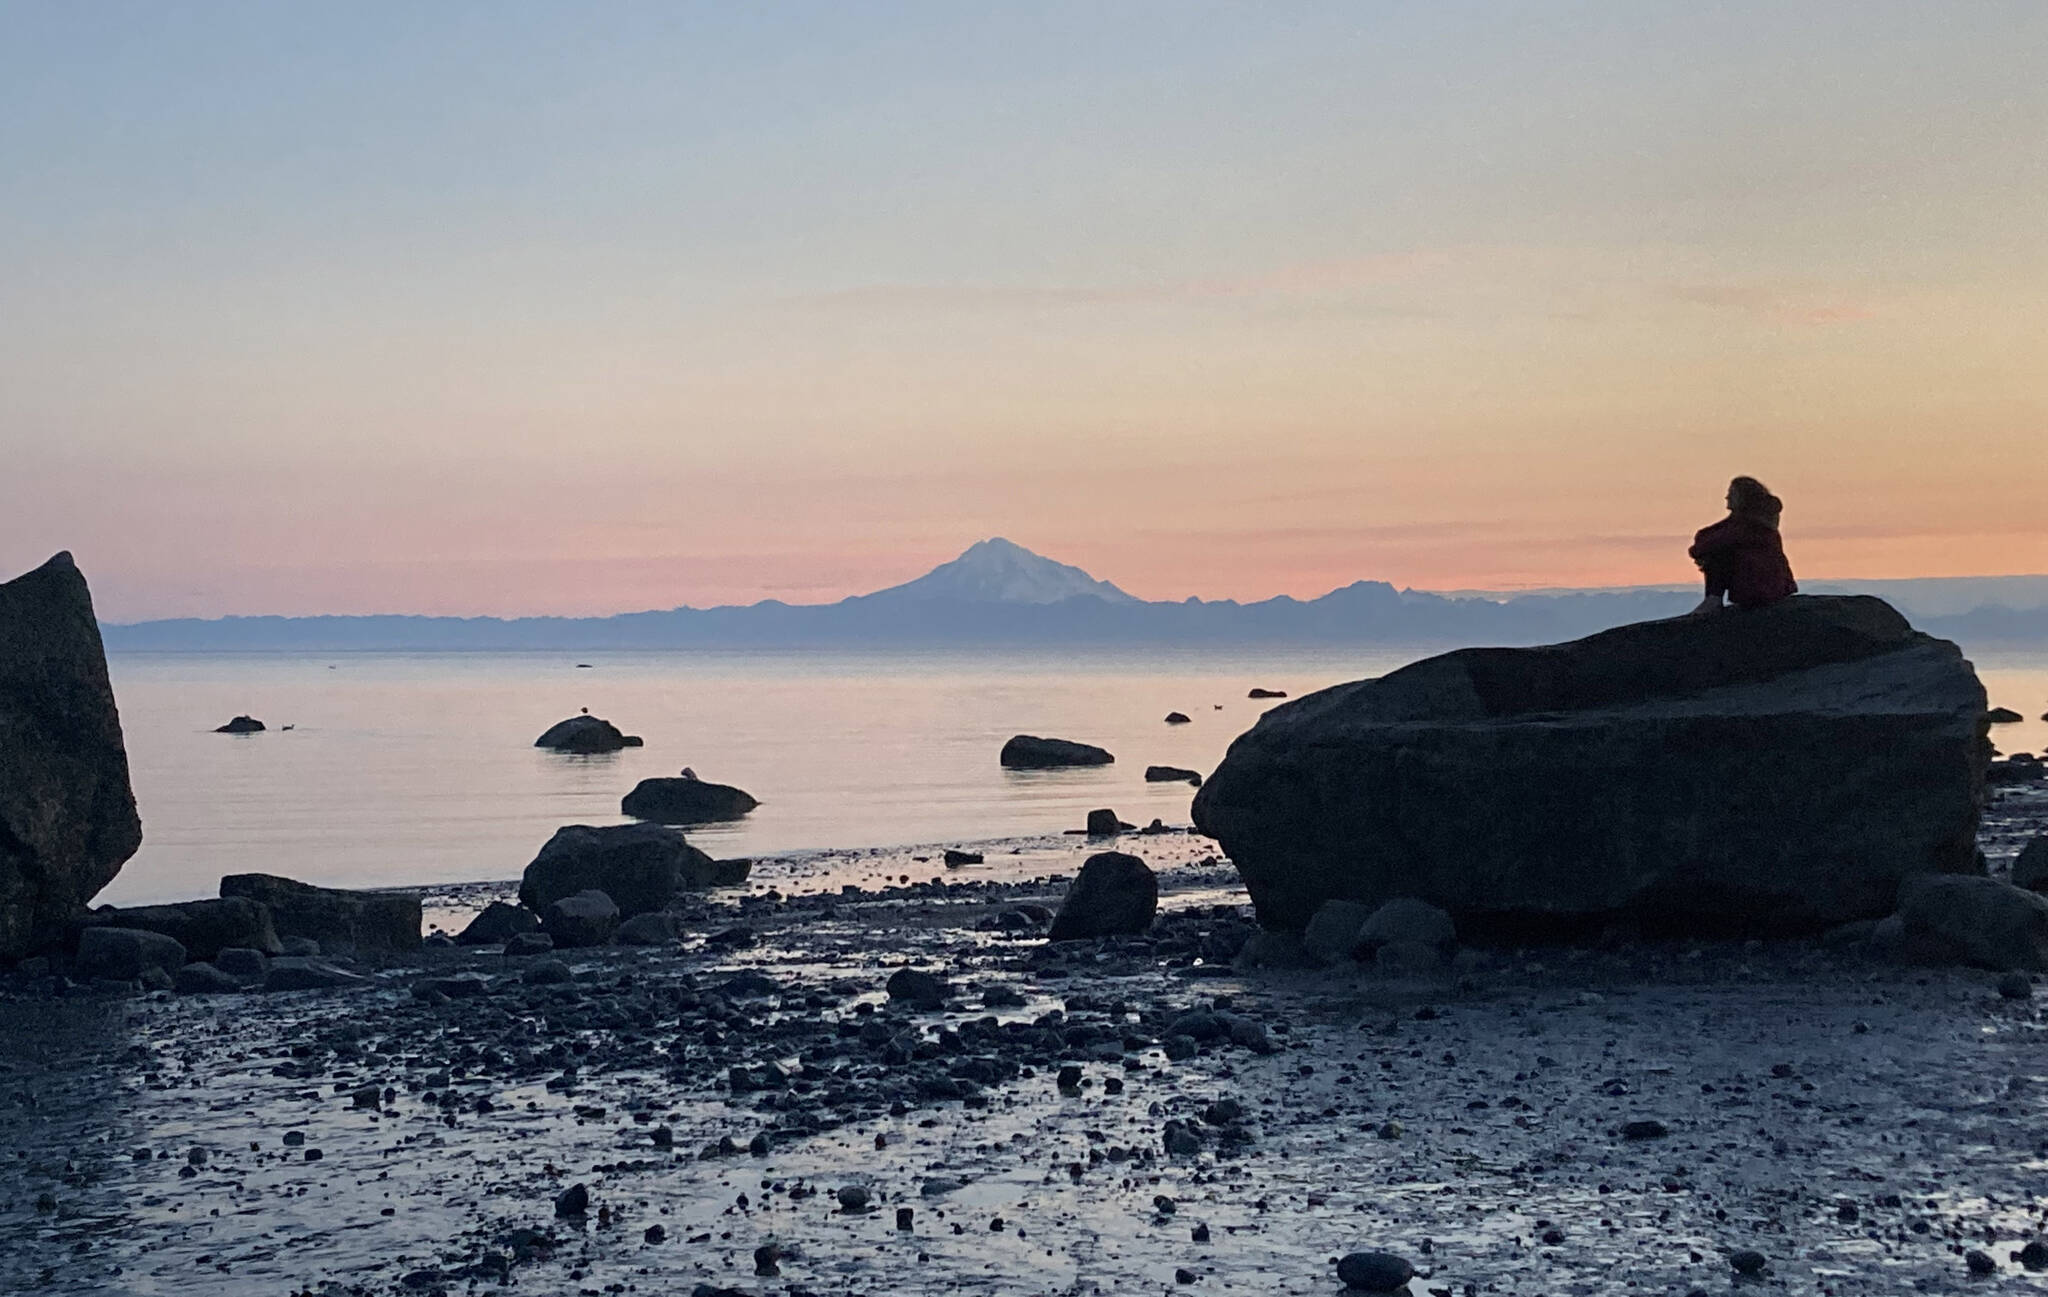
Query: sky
point(545, 308)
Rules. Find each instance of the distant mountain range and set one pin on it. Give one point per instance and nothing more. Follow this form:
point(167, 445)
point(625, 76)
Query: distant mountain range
point(1000, 594)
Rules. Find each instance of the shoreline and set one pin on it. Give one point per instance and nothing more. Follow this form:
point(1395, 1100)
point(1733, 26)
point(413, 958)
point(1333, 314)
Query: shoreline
point(1859, 1125)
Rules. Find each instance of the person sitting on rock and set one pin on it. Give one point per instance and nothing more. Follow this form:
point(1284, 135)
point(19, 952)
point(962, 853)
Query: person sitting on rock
point(1742, 556)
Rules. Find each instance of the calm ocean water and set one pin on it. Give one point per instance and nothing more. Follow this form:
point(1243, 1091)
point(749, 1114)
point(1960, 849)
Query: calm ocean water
point(419, 768)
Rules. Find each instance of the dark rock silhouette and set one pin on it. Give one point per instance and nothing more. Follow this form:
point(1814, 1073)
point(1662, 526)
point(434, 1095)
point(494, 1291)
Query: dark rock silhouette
point(1179, 718)
point(641, 867)
point(589, 918)
point(1105, 824)
point(585, 735)
point(1962, 919)
point(1114, 895)
point(67, 812)
point(241, 725)
point(1777, 770)
point(342, 922)
point(1171, 775)
point(685, 801)
point(498, 924)
point(1267, 693)
point(127, 954)
point(2030, 867)
point(2003, 716)
point(1029, 752)
point(203, 928)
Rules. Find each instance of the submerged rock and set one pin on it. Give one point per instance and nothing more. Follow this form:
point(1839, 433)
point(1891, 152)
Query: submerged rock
point(1029, 752)
point(1105, 824)
point(641, 867)
point(1761, 772)
point(341, 921)
point(203, 928)
point(685, 801)
point(585, 735)
point(67, 813)
point(1172, 775)
point(1114, 895)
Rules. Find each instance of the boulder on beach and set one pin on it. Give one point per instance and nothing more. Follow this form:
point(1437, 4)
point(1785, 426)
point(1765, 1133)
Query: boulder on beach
point(641, 867)
point(305, 973)
point(589, 918)
point(685, 801)
point(654, 928)
point(1963, 919)
point(240, 725)
point(498, 924)
point(585, 735)
point(1029, 752)
point(1172, 775)
point(203, 928)
point(341, 921)
point(126, 954)
point(2030, 867)
point(67, 813)
point(1762, 772)
point(1115, 894)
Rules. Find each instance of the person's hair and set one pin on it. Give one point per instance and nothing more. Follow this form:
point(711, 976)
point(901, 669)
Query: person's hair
point(1752, 499)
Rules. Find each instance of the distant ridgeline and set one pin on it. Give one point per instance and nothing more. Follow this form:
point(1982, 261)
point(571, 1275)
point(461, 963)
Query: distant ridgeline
point(998, 594)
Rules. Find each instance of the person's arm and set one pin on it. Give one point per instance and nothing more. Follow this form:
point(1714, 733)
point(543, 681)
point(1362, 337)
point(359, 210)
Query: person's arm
point(1713, 550)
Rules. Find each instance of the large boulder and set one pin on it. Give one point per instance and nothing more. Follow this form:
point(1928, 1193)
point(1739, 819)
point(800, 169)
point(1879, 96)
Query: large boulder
point(1029, 752)
point(2030, 867)
point(1759, 772)
point(585, 735)
point(1114, 895)
point(203, 928)
point(67, 813)
point(640, 866)
point(685, 801)
point(343, 922)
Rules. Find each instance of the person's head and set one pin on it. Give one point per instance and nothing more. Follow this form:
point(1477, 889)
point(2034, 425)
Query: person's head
point(1752, 499)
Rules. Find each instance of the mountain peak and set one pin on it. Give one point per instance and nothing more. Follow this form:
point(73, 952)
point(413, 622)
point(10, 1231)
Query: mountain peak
point(1001, 571)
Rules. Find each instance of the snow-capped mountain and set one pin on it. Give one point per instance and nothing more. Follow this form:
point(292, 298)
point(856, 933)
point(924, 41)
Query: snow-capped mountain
point(1001, 571)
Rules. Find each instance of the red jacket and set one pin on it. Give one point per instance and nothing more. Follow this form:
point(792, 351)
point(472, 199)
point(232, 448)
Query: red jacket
point(1745, 559)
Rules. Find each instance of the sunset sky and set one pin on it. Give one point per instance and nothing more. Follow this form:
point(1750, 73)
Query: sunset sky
point(521, 308)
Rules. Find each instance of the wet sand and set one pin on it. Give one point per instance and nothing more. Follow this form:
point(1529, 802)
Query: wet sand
point(1861, 1126)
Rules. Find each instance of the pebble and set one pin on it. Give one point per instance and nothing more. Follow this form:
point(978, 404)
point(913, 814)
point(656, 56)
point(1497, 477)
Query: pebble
point(1747, 1261)
point(573, 1201)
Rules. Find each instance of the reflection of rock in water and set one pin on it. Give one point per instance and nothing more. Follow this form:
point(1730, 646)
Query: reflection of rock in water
point(67, 814)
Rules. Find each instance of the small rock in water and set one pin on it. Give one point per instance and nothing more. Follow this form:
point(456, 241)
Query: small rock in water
point(1980, 1263)
point(2034, 1256)
point(1374, 1271)
point(905, 1217)
point(1646, 1128)
point(573, 1201)
point(655, 1234)
point(853, 1197)
point(2016, 986)
point(765, 1258)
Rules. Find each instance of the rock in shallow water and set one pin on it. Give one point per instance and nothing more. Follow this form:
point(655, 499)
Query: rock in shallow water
point(1029, 752)
point(67, 813)
point(585, 736)
point(498, 924)
point(1769, 771)
point(685, 801)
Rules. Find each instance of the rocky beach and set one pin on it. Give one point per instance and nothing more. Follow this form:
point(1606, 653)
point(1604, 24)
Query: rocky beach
point(1728, 978)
